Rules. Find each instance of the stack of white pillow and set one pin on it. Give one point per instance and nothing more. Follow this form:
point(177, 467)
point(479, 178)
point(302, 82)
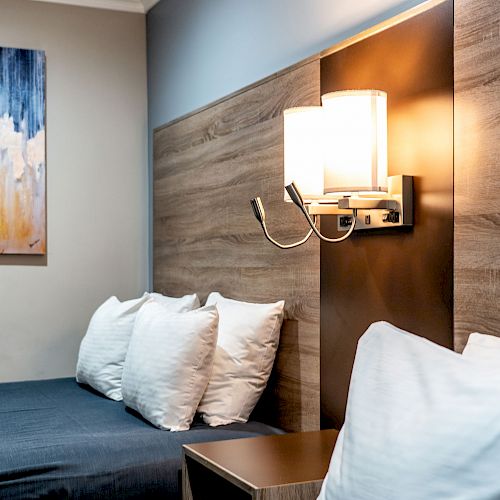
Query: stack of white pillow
point(168, 358)
point(422, 422)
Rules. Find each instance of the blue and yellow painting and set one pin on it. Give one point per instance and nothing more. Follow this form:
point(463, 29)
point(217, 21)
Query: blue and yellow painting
point(22, 151)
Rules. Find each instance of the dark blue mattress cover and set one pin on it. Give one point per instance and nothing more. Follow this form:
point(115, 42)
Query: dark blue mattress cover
point(62, 440)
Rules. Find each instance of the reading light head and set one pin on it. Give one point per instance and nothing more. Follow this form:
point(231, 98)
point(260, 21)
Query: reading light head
point(294, 193)
point(258, 209)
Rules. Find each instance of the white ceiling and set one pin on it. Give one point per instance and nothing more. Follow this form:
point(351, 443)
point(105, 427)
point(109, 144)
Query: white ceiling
point(124, 5)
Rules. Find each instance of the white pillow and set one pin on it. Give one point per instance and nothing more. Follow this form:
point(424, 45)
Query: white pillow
point(181, 304)
point(484, 348)
point(104, 347)
point(246, 348)
point(168, 364)
point(422, 422)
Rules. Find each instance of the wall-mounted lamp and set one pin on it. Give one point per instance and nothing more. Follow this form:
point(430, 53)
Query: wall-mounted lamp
point(335, 163)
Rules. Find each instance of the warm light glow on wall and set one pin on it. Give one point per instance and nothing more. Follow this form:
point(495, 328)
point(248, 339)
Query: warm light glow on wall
point(304, 158)
point(355, 124)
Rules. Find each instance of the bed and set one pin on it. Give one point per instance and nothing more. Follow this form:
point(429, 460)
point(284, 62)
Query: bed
point(63, 440)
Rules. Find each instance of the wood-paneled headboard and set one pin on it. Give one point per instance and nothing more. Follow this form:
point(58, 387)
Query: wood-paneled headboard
point(207, 167)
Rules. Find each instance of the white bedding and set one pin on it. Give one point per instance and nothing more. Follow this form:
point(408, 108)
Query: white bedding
point(422, 423)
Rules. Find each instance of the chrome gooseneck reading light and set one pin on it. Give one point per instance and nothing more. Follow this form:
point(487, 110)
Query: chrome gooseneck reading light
point(260, 215)
point(337, 155)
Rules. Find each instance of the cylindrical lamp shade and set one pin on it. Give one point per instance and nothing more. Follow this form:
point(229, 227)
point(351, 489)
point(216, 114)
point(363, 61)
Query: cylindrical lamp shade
point(356, 141)
point(303, 151)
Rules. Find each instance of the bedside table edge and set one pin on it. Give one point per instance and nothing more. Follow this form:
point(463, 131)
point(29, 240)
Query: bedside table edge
point(217, 469)
point(291, 491)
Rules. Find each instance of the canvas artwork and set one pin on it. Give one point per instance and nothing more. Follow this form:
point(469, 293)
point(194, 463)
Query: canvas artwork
point(22, 151)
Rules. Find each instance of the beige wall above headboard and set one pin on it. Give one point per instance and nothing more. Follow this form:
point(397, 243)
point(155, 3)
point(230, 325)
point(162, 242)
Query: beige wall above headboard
point(207, 167)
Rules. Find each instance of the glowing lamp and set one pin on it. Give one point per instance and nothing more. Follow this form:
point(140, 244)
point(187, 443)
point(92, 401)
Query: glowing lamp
point(304, 160)
point(355, 129)
point(335, 163)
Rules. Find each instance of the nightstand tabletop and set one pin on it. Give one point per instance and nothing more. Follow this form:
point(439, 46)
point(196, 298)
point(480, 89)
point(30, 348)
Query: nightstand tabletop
point(267, 461)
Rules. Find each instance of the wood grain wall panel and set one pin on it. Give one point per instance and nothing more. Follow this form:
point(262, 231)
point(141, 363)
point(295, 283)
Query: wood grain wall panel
point(477, 168)
point(207, 167)
point(257, 103)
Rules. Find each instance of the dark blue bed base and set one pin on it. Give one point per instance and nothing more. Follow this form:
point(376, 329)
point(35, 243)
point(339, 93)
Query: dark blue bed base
point(61, 440)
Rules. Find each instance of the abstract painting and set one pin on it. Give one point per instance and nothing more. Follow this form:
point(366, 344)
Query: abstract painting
point(22, 151)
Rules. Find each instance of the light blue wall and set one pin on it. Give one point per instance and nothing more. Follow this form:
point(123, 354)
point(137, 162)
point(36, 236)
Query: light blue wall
point(201, 50)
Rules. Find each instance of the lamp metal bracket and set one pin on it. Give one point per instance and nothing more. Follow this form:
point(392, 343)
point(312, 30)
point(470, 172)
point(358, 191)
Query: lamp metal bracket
point(394, 209)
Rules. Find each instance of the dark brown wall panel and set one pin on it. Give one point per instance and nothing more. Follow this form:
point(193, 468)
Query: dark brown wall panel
point(207, 167)
point(477, 168)
point(401, 276)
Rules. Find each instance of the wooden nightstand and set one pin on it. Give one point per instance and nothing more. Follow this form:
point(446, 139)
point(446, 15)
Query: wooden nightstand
point(289, 466)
